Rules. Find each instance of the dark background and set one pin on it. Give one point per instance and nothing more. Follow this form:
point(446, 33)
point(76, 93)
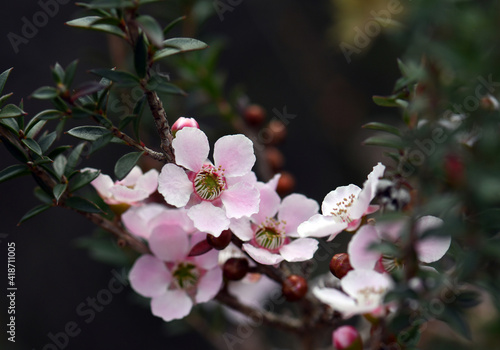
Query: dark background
point(281, 51)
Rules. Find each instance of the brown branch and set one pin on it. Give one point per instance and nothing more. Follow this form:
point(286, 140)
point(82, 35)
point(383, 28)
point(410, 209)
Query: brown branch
point(160, 117)
point(131, 142)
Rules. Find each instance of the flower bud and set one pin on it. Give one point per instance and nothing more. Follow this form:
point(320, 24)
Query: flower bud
point(235, 269)
point(274, 158)
point(220, 242)
point(454, 170)
point(294, 288)
point(254, 115)
point(340, 265)
point(286, 184)
point(182, 123)
point(347, 338)
point(200, 248)
point(278, 131)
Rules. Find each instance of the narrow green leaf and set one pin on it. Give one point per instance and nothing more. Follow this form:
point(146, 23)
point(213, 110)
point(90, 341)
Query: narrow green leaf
point(140, 57)
point(101, 142)
point(70, 73)
point(4, 98)
point(74, 158)
point(152, 29)
point(45, 93)
point(384, 142)
point(178, 45)
point(159, 84)
point(42, 195)
point(58, 73)
point(13, 171)
point(126, 163)
point(108, 4)
point(385, 101)
point(57, 151)
point(11, 111)
point(34, 127)
point(48, 114)
point(33, 212)
point(82, 178)
point(16, 152)
point(91, 133)
point(172, 24)
point(87, 23)
point(82, 204)
point(86, 89)
point(60, 127)
point(59, 165)
point(43, 160)
point(59, 190)
point(456, 320)
point(32, 145)
point(3, 78)
point(11, 124)
point(383, 127)
point(108, 20)
point(120, 77)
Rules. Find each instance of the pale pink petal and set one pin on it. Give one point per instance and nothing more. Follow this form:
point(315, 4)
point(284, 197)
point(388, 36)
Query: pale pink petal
point(338, 198)
point(269, 203)
point(273, 183)
point(335, 299)
point(430, 248)
point(132, 177)
point(242, 228)
point(368, 193)
point(172, 305)
point(102, 184)
point(173, 217)
point(174, 185)
point(250, 178)
point(358, 281)
point(360, 256)
point(209, 285)
point(137, 219)
point(124, 194)
point(294, 210)
point(148, 182)
point(234, 153)
point(149, 276)
point(169, 243)
point(352, 226)
point(391, 230)
point(320, 226)
point(241, 200)
point(261, 255)
point(191, 148)
point(209, 218)
point(299, 250)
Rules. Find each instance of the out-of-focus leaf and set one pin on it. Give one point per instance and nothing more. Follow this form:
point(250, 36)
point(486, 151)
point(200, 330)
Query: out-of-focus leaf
point(455, 319)
point(177, 45)
point(11, 124)
point(384, 142)
point(13, 171)
point(172, 24)
point(34, 126)
point(140, 57)
point(58, 73)
point(152, 29)
point(87, 23)
point(49, 114)
point(11, 111)
point(33, 212)
point(91, 133)
point(108, 4)
point(101, 142)
point(46, 141)
point(383, 127)
point(120, 77)
point(74, 158)
point(82, 204)
point(18, 153)
point(70, 73)
point(42, 195)
point(159, 84)
point(4, 98)
point(45, 93)
point(3, 78)
point(87, 89)
point(82, 178)
point(59, 165)
point(385, 101)
point(57, 151)
point(59, 190)
point(126, 163)
point(32, 145)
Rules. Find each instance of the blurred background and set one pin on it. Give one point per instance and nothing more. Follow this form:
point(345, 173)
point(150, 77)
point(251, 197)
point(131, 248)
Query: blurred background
point(284, 56)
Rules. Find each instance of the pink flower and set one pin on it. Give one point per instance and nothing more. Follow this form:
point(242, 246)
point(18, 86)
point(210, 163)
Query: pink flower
point(429, 248)
point(343, 208)
point(183, 123)
point(174, 281)
point(347, 338)
point(216, 193)
point(269, 231)
point(133, 189)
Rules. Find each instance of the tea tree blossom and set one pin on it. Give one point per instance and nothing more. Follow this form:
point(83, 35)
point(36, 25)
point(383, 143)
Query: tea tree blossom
point(363, 292)
point(347, 338)
point(174, 281)
point(343, 208)
point(133, 189)
point(269, 232)
point(182, 123)
point(213, 193)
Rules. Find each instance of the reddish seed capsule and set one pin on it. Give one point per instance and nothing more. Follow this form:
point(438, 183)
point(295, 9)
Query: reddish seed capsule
point(254, 115)
point(235, 269)
point(278, 131)
point(294, 288)
point(220, 242)
point(275, 158)
point(340, 265)
point(286, 184)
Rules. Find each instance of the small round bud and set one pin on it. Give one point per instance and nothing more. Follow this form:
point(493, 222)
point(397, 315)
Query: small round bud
point(235, 269)
point(254, 115)
point(454, 169)
point(286, 184)
point(182, 123)
point(340, 265)
point(347, 338)
point(274, 158)
point(220, 242)
point(294, 288)
point(278, 130)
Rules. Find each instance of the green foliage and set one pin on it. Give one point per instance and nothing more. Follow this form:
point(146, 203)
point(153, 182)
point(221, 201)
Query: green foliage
point(126, 163)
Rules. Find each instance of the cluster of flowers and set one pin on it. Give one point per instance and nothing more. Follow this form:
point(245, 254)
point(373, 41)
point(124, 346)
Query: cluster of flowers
point(205, 198)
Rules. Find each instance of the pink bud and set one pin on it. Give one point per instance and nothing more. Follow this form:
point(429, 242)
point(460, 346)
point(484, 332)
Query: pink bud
point(184, 122)
point(347, 338)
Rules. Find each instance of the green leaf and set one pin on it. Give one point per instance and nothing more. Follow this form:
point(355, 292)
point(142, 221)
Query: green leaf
point(172, 24)
point(33, 212)
point(59, 165)
point(455, 319)
point(57, 151)
point(45, 93)
point(16, 152)
point(42, 195)
point(385, 101)
point(82, 178)
point(32, 145)
point(383, 127)
point(87, 89)
point(82, 204)
point(13, 171)
point(120, 77)
point(87, 23)
point(101, 142)
point(34, 127)
point(11, 111)
point(152, 29)
point(178, 45)
point(159, 84)
point(91, 133)
point(59, 190)
point(126, 163)
point(48, 114)
point(11, 124)
point(108, 4)
point(3, 78)
point(4, 98)
point(70, 73)
point(74, 158)
point(384, 142)
point(140, 57)
point(58, 73)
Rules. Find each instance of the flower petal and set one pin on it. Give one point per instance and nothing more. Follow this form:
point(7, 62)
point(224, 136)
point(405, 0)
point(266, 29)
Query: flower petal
point(360, 256)
point(169, 243)
point(176, 217)
point(148, 182)
point(320, 226)
point(174, 185)
point(149, 276)
point(191, 148)
point(269, 203)
point(234, 153)
point(241, 200)
point(299, 250)
point(358, 281)
point(294, 210)
point(132, 177)
point(209, 285)
point(174, 304)
point(431, 248)
point(102, 184)
point(124, 194)
point(368, 193)
point(209, 218)
point(261, 255)
point(336, 299)
point(137, 219)
point(242, 228)
point(337, 197)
